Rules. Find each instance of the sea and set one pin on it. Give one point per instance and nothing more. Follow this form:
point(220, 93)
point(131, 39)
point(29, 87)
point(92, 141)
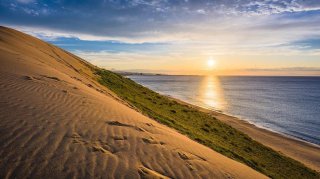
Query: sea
point(287, 105)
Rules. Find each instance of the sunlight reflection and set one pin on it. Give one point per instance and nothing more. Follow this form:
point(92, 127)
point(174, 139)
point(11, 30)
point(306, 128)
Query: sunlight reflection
point(212, 93)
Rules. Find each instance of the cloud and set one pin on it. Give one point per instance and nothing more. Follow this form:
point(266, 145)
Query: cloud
point(25, 1)
point(201, 11)
point(300, 69)
point(308, 44)
point(292, 71)
point(140, 18)
point(179, 28)
point(278, 6)
point(125, 60)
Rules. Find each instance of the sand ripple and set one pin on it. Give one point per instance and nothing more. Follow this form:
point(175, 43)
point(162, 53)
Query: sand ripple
point(56, 122)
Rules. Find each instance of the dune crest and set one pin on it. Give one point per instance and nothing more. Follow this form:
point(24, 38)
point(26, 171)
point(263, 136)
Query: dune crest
point(57, 121)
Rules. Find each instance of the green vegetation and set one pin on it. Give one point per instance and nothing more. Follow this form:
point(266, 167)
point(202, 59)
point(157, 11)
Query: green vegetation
point(205, 129)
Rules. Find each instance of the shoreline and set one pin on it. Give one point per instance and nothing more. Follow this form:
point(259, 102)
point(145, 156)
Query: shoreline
point(303, 151)
point(255, 125)
point(266, 128)
point(208, 110)
point(211, 109)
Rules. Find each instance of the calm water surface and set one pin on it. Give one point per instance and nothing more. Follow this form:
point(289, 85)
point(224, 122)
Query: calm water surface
point(289, 105)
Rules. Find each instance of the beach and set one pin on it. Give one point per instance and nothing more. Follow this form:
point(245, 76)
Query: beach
point(307, 153)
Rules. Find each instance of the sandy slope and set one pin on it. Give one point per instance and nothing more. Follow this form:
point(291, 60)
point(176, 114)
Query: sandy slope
point(56, 122)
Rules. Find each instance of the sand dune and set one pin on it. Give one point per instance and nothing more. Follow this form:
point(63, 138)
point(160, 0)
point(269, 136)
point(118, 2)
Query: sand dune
point(57, 122)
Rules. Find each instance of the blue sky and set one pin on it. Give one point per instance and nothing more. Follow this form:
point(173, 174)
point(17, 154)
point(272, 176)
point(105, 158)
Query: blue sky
point(176, 36)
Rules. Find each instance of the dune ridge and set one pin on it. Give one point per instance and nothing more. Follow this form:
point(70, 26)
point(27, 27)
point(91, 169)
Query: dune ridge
point(57, 122)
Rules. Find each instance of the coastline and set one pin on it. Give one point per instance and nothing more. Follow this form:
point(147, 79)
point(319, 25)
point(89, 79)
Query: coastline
point(300, 150)
point(244, 120)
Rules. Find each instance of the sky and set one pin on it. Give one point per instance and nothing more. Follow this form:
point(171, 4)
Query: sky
point(242, 37)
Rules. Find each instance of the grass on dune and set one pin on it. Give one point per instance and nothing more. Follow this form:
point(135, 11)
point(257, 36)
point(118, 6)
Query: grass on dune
point(205, 129)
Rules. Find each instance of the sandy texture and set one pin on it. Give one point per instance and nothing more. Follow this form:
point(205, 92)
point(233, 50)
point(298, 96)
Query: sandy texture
point(56, 122)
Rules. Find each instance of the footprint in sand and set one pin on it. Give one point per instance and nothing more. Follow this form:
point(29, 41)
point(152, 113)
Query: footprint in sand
point(120, 137)
point(28, 78)
point(103, 149)
point(183, 156)
point(51, 77)
point(94, 146)
point(117, 123)
point(148, 173)
point(187, 157)
point(150, 140)
point(150, 124)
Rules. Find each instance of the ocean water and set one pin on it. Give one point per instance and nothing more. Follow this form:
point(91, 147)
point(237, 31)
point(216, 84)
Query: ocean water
point(288, 105)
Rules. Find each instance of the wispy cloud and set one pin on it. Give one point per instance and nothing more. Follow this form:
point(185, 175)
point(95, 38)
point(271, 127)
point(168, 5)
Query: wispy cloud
point(25, 1)
point(148, 20)
point(303, 69)
point(187, 28)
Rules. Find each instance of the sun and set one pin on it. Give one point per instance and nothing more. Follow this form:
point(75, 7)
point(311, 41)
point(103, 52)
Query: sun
point(211, 62)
